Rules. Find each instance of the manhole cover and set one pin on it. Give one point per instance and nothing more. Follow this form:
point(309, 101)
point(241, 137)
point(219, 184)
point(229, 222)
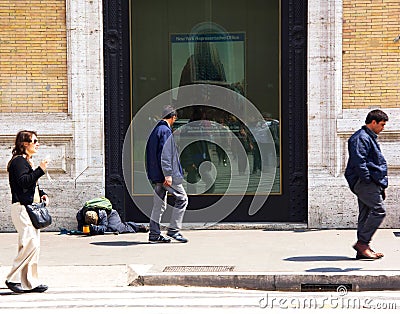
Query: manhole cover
point(189, 269)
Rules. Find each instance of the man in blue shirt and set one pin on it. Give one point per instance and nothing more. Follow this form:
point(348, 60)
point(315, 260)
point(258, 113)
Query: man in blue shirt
point(366, 174)
point(165, 172)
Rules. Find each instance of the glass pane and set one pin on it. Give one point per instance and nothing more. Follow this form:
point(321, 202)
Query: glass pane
point(178, 45)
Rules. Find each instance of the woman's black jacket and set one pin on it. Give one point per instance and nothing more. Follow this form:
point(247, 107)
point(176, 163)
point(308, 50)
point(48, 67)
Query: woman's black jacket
point(23, 180)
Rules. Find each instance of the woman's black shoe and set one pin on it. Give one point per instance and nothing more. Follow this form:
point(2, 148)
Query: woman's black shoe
point(14, 287)
point(40, 288)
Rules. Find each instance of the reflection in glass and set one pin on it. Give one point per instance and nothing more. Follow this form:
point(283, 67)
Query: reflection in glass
point(215, 145)
point(232, 44)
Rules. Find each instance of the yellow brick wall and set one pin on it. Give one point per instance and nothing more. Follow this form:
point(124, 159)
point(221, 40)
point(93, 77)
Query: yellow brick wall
point(33, 65)
point(371, 60)
point(33, 56)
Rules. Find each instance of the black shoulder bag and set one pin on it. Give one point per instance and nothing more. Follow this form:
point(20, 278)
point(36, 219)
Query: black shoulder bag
point(39, 215)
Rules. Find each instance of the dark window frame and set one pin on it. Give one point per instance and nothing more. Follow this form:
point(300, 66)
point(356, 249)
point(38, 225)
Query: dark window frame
point(294, 103)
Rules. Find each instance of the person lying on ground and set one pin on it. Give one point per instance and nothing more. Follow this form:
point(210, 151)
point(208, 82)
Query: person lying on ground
point(100, 221)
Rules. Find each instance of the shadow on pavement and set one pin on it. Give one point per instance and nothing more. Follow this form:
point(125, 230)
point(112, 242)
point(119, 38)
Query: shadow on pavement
point(318, 258)
point(331, 270)
point(306, 230)
point(295, 230)
point(118, 243)
point(7, 292)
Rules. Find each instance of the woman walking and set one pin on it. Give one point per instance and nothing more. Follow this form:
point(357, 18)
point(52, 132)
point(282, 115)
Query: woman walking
point(23, 179)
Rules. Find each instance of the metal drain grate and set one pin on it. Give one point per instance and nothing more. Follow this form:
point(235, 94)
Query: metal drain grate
point(189, 269)
point(310, 287)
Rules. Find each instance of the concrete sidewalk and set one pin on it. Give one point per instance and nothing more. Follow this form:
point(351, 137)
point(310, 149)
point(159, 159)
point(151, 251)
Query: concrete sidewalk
point(253, 259)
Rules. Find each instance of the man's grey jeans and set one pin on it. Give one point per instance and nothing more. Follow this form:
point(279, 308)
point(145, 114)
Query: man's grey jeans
point(371, 209)
point(160, 204)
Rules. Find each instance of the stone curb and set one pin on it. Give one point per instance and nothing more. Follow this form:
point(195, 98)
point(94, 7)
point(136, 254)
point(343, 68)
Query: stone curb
point(271, 281)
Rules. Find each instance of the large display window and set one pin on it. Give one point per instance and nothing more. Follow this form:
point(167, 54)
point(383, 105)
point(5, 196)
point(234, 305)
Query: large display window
point(218, 63)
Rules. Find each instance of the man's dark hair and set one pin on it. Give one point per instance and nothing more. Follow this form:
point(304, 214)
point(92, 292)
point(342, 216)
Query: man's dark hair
point(377, 115)
point(168, 112)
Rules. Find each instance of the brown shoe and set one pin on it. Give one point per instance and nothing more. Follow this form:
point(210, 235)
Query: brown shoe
point(378, 254)
point(364, 252)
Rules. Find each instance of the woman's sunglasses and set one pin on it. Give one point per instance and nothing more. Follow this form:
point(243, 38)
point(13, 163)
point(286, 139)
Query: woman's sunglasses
point(34, 141)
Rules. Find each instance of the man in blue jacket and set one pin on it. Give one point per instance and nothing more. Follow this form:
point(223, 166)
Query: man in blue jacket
point(366, 174)
point(165, 172)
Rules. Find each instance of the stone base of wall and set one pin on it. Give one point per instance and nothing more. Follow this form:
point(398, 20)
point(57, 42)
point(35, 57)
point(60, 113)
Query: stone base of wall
point(333, 205)
point(66, 198)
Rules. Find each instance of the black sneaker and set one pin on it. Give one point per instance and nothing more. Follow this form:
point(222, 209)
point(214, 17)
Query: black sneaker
point(178, 237)
point(159, 239)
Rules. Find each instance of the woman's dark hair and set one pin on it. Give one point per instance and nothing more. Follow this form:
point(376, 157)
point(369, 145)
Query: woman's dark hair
point(377, 115)
point(21, 138)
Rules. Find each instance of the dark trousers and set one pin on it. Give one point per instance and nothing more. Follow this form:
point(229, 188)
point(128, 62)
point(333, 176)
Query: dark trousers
point(371, 210)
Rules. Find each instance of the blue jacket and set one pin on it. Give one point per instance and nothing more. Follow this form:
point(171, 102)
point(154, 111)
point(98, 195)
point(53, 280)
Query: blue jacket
point(162, 156)
point(366, 161)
